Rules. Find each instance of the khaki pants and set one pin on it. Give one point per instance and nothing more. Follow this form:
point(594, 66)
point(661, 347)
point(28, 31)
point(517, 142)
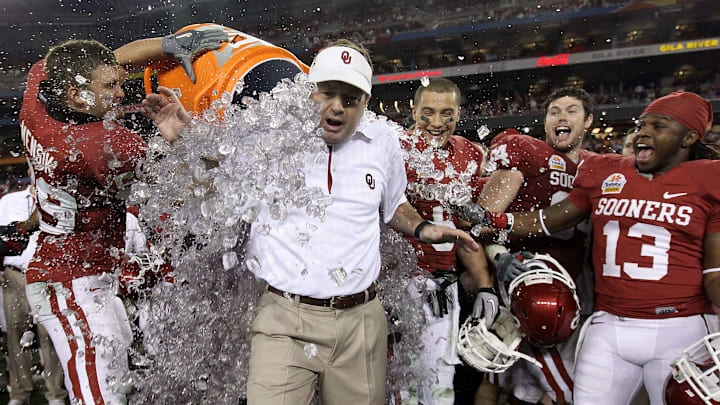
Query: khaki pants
point(295, 346)
point(17, 312)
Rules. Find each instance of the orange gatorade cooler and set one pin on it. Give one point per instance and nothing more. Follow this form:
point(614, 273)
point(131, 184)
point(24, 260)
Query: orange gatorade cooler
point(245, 59)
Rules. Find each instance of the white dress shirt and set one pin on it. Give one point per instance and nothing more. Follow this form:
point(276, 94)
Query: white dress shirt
point(339, 255)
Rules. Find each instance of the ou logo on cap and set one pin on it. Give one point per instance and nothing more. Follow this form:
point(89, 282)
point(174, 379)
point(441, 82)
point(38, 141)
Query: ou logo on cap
point(346, 58)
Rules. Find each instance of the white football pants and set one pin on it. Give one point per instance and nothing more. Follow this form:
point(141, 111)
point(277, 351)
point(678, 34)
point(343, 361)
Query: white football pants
point(89, 328)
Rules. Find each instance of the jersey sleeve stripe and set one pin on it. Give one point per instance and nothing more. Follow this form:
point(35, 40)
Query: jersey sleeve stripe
point(542, 224)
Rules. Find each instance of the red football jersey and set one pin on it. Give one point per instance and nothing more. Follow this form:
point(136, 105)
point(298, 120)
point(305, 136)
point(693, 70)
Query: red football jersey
point(548, 178)
point(78, 162)
point(457, 167)
point(648, 234)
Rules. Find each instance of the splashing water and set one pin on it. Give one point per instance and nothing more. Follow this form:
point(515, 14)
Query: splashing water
point(483, 132)
point(310, 350)
point(197, 198)
point(430, 183)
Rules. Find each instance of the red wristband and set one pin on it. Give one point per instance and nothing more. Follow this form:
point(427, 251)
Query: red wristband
point(499, 220)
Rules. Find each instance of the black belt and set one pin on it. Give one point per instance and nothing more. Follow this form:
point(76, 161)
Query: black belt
point(340, 302)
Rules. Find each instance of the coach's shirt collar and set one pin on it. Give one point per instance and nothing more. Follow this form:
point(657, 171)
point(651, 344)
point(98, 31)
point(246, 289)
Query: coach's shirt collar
point(363, 129)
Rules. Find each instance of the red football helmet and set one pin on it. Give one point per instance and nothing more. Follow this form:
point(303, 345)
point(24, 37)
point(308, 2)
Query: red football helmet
point(695, 375)
point(140, 272)
point(544, 303)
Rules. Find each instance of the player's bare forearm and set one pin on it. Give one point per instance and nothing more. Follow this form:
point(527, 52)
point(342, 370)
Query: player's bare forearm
point(487, 393)
point(501, 189)
point(711, 263)
point(555, 218)
point(476, 264)
point(140, 53)
point(711, 282)
point(711, 254)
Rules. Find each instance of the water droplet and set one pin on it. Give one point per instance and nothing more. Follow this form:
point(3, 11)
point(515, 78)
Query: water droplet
point(264, 229)
point(229, 260)
point(483, 131)
point(250, 215)
point(310, 350)
point(252, 263)
point(230, 242)
point(338, 275)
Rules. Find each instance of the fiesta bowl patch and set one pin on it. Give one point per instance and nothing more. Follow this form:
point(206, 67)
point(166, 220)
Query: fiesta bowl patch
point(613, 184)
point(556, 163)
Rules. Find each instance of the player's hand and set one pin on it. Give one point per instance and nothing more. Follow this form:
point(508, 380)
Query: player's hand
point(510, 266)
point(472, 213)
point(486, 306)
point(442, 234)
point(184, 46)
point(505, 327)
point(167, 112)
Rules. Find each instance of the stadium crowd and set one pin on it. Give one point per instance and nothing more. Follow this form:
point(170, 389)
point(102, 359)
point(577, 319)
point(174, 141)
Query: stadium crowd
point(541, 261)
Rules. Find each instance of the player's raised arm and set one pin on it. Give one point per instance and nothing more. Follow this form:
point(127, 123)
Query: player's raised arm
point(501, 189)
point(138, 54)
point(183, 46)
point(711, 267)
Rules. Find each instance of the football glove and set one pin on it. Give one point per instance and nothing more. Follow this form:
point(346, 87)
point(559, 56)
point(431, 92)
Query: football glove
point(184, 46)
point(486, 306)
point(509, 266)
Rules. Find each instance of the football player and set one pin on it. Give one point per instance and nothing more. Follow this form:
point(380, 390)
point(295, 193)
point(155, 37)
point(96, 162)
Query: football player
point(81, 160)
point(627, 149)
point(429, 149)
point(656, 249)
point(78, 167)
point(529, 174)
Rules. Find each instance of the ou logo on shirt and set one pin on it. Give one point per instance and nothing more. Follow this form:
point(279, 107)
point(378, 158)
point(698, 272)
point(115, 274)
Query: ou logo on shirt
point(370, 181)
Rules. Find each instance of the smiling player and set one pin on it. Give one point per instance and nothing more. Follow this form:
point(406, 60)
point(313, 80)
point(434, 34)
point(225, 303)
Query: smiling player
point(656, 249)
point(532, 174)
point(436, 113)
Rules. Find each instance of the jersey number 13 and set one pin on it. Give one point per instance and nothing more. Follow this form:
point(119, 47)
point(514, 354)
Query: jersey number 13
point(657, 251)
